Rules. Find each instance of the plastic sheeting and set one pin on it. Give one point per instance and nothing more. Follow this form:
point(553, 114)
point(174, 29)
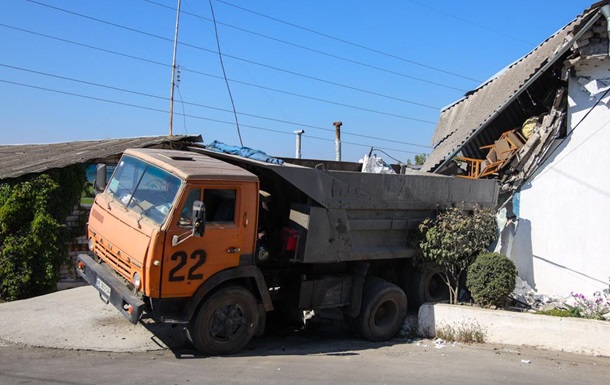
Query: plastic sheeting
point(376, 165)
point(245, 152)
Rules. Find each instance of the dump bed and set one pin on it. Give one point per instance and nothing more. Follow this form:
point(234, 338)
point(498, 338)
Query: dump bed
point(349, 215)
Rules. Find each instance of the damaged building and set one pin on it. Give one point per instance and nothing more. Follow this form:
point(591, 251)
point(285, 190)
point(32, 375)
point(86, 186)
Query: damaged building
point(540, 127)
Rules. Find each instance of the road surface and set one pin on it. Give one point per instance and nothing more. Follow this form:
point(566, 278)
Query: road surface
point(306, 358)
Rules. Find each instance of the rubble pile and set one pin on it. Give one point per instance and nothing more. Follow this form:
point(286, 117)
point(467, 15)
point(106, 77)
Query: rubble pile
point(526, 297)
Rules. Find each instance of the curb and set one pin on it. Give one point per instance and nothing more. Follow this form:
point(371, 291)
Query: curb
point(573, 335)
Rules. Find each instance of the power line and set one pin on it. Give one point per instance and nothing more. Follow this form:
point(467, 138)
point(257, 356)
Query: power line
point(80, 81)
point(470, 22)
point(436, 108)
point(349, 42)
point(232, 80)
point(83, 45)
point(312, 49)
point(224, 74)
point(189, 116)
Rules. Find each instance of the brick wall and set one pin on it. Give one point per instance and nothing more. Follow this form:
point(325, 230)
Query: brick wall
point(76, 220)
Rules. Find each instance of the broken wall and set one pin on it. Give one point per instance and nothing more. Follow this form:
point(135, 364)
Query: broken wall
point(566, 203)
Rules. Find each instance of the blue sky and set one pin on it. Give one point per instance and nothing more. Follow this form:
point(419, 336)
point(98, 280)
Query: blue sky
point(82, 70)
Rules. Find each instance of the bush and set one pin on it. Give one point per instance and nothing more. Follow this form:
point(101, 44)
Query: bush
point(453, 239)
point(491, 278)
point(33, 235)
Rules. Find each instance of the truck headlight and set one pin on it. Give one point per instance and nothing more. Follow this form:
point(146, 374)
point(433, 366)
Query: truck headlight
point(90, 244)
point(136, 280)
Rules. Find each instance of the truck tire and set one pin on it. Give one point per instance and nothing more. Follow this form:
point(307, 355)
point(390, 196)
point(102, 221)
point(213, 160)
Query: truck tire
point(383, 310)
point(427, 286)
point(225, 322)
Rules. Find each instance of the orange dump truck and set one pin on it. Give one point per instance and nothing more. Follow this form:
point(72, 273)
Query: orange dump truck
point(216, 242)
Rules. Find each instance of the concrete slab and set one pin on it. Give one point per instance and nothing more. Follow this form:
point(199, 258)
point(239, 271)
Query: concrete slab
point(573, 335)
point(78, 319)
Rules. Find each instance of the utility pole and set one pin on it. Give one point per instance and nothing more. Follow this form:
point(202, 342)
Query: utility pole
point(338, 140)
point(298, 145)
point(171, 93)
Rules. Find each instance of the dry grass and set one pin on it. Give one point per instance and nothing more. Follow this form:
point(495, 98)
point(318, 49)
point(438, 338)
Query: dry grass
point(467, 331)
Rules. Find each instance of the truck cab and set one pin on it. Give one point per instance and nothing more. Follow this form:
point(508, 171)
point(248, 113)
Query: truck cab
point(170, 229)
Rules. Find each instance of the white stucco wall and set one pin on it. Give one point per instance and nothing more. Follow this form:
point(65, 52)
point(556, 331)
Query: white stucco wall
point(562, 240)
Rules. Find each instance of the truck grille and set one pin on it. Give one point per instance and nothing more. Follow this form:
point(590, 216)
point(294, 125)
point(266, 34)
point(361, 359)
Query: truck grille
point(119, 265)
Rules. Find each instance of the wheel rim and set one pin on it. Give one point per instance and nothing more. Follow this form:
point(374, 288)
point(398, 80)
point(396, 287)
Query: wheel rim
point(385, 315)
point(227, 322)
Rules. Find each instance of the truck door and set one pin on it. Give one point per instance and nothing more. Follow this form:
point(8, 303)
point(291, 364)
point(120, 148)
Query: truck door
point(187, 265)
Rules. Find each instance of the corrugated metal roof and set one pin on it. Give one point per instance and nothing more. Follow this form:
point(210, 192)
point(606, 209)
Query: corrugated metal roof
point(18, 160)
point(461, 120)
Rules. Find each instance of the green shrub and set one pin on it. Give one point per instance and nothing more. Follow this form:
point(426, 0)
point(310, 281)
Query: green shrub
point(453, 239)
point(33, 236)
point(491, 278)
point(573, 312)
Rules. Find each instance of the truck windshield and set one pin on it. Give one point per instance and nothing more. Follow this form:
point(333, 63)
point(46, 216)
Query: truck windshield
point(144, 188)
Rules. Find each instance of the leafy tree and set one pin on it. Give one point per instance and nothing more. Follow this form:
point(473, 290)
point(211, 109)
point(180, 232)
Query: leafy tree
point(419, 160)
point(453, 239)
point(33, 236)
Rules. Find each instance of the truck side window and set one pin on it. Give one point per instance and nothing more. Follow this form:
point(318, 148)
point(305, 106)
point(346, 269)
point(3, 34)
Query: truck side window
point(219, 205)
point(187, 210)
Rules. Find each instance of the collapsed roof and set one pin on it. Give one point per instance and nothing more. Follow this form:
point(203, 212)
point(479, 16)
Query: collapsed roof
point(533, 86)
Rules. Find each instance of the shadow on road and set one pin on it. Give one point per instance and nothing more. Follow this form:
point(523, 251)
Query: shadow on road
point(330, 337)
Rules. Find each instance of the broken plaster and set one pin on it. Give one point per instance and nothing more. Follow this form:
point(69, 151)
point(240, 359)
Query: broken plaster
point(596, 88)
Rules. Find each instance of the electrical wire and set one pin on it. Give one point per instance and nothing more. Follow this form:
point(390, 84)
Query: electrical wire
point(313, 50)
point(220, 77)
point(189, 116)
point(350, 43)
point(470, 22)
point(224, 74)
point(235, 57)
point(390, 156)
point(80, 81)
point(548, 156)
point(243, 68)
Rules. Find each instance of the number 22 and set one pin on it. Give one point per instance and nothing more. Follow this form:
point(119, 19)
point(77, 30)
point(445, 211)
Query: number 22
point(181, 256)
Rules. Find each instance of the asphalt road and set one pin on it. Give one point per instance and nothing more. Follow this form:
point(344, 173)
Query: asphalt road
point(71, 337)
point(306, 359)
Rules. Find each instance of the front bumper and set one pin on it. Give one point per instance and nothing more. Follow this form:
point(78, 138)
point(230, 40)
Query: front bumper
point(111, 288)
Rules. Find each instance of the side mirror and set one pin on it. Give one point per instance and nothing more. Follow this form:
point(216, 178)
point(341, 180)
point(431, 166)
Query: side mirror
point(198, 219)
point(100, 178)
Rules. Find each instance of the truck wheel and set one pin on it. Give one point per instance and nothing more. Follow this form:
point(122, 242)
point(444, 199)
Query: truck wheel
point(225, 322)
point(427, 286)
point(383, 311)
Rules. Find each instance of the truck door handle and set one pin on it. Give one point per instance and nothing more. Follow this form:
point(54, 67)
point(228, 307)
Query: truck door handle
point(233, 250)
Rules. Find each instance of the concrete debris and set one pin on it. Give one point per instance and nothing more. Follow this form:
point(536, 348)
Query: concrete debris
point(525, 295)
point(438, 343)
point(549, 306)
